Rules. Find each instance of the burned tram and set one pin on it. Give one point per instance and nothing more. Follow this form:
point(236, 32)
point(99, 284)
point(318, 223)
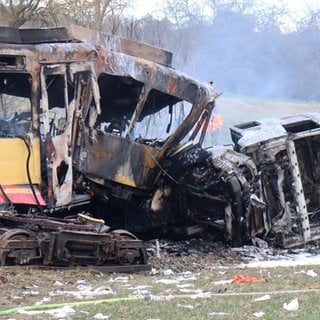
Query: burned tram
point(80, 163)
point(99, 135)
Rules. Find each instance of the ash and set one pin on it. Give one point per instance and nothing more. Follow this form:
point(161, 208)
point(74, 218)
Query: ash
point(196, 254)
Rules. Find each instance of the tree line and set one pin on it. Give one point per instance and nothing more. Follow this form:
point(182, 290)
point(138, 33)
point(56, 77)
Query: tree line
point(243, 47)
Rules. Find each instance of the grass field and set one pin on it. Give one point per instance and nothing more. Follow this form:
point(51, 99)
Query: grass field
point(239, 109)
point(204, 295)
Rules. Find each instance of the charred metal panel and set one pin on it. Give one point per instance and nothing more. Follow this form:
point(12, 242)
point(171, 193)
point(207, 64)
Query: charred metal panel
point(123, 45)
point(46, 35)
point(78, 34)
point(9, 35)
point(119, 160)
point(28, 36)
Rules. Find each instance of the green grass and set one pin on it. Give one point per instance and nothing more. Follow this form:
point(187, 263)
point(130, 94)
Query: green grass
point(172, 302)
point(240, 109)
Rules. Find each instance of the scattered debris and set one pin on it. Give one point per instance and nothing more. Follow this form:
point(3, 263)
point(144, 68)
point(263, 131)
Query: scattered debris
point(223, 282)
point(30, 293)
point(43, 300)
point(120, 279)
point(246, 279)
point(140, 292)
point(84, 291)
point(167, 281)
point(220, 313)
point(292, 305)
point(311, 273)
point(187, 306)
point(168, 272)
point(59, 313)
point(100, 316)
point(259, 314)
point(185, 285)
point(141, 287)
point(263, 298)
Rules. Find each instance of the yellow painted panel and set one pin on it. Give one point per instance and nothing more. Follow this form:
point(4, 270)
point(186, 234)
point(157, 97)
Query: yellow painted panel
point(124, 180)
point(13, 161)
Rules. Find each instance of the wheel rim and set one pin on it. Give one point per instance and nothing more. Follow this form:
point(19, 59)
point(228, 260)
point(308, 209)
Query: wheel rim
point(18, 256)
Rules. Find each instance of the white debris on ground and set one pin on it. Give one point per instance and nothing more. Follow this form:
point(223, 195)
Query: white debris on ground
point(101, 316)
point(263, 298)
point(290, 260)
point(141, 292)
point(255, 257)
point(121, 279)
point(187, 306)
point(178, 279)
point(179, 256)
point(185, 285)
point(84, 291)
point(309, 273)
point(259, 314)
point(220, 282)
point(31, 293)
point(43, 300)
point(292, 305)
point(168, 272)
point(219, 313)
point(167, 281)
point(58, 313)
point(30, 290)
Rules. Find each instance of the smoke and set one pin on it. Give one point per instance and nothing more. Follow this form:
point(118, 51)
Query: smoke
point(266, 62)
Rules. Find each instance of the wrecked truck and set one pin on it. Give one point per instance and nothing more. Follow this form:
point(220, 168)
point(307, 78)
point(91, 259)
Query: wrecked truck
point(101, 141)
point(279, 179)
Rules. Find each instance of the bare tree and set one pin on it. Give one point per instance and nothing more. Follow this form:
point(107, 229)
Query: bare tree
point(311, 20)
point(16, 13)
point(100, 15)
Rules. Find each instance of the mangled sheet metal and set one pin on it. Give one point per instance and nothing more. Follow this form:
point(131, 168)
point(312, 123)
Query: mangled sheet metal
point(284, 194)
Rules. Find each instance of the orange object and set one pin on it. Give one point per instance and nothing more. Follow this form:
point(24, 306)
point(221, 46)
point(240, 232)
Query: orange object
point(243, 279)
point(215, 123)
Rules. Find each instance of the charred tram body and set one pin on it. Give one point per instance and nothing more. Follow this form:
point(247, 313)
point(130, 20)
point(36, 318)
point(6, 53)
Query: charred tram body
point(71, 142)
point(113, 130)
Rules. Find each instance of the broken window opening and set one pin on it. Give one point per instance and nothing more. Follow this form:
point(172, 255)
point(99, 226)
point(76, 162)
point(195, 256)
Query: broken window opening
point(12, 61)
point(60, 94)
point(161, 116)
point(62, 170)
point(15, 104)
point(301, 126)
point(119, 98)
